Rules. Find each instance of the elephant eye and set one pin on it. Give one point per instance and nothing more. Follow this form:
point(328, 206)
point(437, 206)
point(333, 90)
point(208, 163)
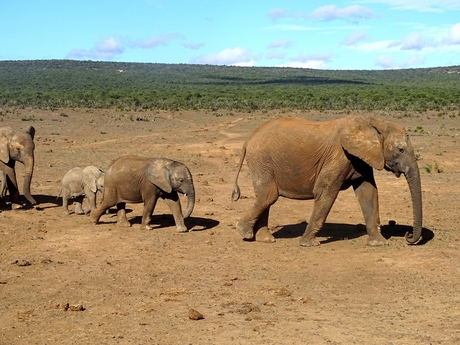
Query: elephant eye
point(181, 180)
point(400, 150)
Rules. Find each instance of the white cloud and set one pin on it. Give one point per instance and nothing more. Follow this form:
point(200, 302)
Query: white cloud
point(280, 43)
point(436, 40)
point(332, 12)
point(111, 47)
point(414, 41)
point(388, 62)
point(229, 56)
point(107, 48)
point(419, 5)
point(307, 64)
point(316, 60)
point(287, 27)
point(354, 38)
point(276, 14)
point(454, 34)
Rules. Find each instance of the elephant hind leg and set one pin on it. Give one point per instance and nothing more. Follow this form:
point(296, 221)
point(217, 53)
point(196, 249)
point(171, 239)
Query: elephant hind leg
point(256, 218)
point(121, 216)
point(262, 233)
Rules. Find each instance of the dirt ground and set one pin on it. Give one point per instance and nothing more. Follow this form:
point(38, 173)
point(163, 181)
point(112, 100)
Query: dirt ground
point(66, 281)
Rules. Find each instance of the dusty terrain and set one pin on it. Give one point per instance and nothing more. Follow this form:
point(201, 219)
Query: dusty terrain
point(66, 281)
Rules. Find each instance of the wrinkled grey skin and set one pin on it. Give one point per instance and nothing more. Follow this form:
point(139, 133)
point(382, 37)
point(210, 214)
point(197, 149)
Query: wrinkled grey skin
point(17, 146)
point(137, 179)
point(78, 183)
point(299, 159)
point(2, 184)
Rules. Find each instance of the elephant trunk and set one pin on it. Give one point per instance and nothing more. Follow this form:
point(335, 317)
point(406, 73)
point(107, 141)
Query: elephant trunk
point(413, 180)
point(190, 192)
point(29, 170)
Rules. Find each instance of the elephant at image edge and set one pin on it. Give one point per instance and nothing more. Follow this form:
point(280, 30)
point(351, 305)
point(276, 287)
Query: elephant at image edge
point(2, 183)
point(299, 159)
point(80, 182)
point(137, 179)
point(17, 146)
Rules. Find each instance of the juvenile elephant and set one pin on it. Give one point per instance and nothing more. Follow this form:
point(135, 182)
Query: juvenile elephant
point(17, 146)
point(299, 159)
point(78, 183)
point(137, 179)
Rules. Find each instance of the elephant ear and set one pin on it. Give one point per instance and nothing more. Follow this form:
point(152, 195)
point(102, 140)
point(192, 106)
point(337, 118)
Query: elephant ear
point(4, 152)
point(90, 175)
point(158, 174)
point(360, 137)
point(31, 131)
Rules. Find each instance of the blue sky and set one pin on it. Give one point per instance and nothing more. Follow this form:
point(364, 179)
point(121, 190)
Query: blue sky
point(362, 34)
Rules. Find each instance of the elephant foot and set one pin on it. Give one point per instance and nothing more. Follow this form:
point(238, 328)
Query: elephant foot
point(16, 206)
point(124, 223)
point(146, 227)
point(375, 241)
point(264, 235)
point(243, 231)
point(306, 241)
point(181, 228)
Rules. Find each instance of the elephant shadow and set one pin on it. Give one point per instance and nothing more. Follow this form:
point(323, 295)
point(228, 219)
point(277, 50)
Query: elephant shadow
point(339, 231)
point(167, 220)
point(43, 202)
point(398, 230)
point(332, 231)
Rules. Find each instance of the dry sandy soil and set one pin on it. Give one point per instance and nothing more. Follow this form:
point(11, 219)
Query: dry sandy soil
point(66, 281)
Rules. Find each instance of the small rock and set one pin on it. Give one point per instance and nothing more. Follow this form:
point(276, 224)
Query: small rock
point(76, 307)
point(195, 315)
point(64, 306)
point(21, 262)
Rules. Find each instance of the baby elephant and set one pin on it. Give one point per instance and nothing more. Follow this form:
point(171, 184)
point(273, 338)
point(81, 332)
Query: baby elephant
point(137, 179)
point(80, 182)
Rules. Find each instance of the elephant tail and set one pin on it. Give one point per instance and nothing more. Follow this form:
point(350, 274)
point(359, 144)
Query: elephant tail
point(236, 189)
point(59, 195)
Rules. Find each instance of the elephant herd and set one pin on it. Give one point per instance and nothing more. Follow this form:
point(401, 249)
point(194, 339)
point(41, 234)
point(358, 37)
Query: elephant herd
point(288, 157)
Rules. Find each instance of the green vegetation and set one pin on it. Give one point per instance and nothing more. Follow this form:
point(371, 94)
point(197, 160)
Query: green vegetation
point(87, 84)
point(429, 168)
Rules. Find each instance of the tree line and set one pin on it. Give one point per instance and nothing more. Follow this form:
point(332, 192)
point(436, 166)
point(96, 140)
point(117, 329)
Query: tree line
point(91, 84)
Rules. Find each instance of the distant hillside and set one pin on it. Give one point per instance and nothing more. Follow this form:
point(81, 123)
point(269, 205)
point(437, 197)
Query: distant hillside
point(68, 83)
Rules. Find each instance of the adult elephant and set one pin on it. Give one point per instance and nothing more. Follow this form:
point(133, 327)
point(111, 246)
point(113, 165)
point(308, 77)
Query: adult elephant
point(138, 179)
point(299, 159)
point(17, 146)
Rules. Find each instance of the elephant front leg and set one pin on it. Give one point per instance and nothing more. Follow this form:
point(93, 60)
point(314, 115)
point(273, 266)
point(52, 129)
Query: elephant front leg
point(78, 205)
point(367, 195)
point(12, 186)
point(174, 205)
point(149, 206)
point(321, 209)
point(91, 196)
